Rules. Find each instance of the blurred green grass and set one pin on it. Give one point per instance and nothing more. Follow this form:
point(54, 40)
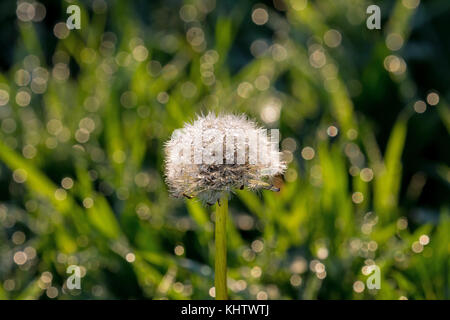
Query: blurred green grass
point(84, 116)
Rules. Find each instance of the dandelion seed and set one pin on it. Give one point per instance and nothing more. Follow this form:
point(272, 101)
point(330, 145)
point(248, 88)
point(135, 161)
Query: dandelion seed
point(217, 153)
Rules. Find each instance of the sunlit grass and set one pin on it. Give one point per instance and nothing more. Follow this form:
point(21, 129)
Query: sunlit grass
point(98, 107)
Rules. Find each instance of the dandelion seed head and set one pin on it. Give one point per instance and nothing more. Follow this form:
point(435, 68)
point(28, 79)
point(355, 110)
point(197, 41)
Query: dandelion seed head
point(225, 161)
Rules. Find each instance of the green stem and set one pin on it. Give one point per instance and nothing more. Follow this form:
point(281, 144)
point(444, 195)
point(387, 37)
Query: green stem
point(220, 278)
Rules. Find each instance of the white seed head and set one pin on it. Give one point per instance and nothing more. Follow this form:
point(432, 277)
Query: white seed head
point(216, 154)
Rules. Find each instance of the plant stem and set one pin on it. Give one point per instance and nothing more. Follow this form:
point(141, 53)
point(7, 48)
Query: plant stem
point(220, 277)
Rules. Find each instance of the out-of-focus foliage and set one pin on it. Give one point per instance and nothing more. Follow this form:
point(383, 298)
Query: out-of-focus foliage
point(364, 120)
